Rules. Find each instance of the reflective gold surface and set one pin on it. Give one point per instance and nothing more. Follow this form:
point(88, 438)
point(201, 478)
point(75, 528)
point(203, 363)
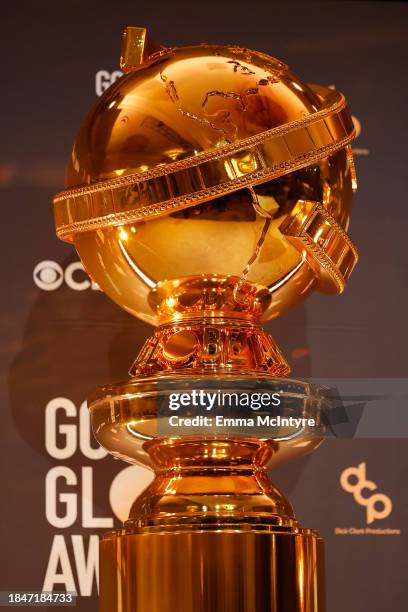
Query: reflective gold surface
point(323, 243)
point(182, 103)
point(136, 48)
point(217, 238)
point(225, 348)
point(209, 190)
point(211, 532)
point(240, 571)
point(126, 421)
point(189, 125)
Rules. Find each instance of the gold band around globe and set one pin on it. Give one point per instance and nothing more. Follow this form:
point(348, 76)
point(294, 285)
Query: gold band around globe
point(207, 175)
point(324, 244)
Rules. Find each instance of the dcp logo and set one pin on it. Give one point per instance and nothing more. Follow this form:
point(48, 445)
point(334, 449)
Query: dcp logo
point(353, 480)
point(48, 275)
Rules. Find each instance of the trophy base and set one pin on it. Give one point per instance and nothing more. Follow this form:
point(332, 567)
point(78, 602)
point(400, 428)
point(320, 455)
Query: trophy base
point(232, 569)
point(211, 533)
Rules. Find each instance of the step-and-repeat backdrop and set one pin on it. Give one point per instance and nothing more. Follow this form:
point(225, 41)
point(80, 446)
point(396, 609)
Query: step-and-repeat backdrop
point(61, 336)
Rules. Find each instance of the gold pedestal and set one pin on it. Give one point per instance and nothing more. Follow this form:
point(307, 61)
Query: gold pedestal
point(250, 569)
point(211, 533)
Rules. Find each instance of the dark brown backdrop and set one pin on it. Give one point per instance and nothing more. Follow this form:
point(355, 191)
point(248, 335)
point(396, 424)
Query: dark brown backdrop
point(61, 342)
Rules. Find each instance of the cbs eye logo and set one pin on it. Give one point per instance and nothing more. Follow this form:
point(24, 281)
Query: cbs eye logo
point(48, 275)
point(353, 480)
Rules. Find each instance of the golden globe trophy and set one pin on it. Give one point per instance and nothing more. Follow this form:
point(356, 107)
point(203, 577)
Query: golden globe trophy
point(208, 191)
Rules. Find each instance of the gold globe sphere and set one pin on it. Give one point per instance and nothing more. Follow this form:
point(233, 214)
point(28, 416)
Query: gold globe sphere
point(178, 164)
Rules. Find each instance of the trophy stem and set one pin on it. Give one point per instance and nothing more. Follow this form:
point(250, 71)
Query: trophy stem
point(213, 346)
point(202, 481)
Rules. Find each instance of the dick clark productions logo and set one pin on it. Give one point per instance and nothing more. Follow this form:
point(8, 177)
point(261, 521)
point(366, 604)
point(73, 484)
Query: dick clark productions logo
point(353, 480)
